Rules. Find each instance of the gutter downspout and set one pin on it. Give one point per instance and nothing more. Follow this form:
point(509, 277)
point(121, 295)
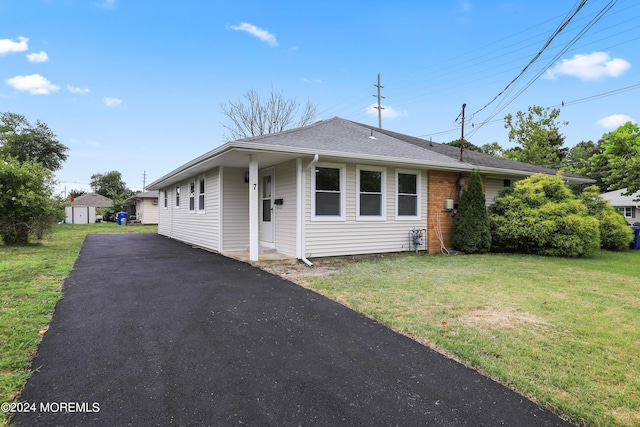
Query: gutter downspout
point(301, 207)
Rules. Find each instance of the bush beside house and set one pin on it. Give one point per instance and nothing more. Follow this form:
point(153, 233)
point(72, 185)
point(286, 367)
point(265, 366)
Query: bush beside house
point(615, 233)
point(540, 215)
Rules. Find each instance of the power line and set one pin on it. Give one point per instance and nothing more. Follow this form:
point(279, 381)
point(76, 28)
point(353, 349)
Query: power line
point(502, 105)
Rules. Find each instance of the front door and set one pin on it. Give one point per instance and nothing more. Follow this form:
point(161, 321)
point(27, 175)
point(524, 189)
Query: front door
point(266, 208)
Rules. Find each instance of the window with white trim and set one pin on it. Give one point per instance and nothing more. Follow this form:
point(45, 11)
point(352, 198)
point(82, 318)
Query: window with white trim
point(164, 198)
point(627, 212)
point(408, 191)
point(177, 196)
point(370, 182)
point(192, 196)
point(328, 199)
point(201, 187)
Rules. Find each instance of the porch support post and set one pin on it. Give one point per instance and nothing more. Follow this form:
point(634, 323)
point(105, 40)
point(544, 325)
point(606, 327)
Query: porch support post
point(254, 216)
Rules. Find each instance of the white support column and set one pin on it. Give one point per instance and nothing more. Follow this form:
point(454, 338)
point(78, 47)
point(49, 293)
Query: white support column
point(254, 210)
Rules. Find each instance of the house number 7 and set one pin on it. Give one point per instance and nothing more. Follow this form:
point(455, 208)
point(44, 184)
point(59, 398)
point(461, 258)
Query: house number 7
point(254, 186)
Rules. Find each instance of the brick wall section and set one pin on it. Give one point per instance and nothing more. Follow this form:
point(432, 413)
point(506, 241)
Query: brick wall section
point(442, 185)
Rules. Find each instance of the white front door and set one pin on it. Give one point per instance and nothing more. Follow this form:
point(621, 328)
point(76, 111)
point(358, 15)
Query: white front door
point(266, 208)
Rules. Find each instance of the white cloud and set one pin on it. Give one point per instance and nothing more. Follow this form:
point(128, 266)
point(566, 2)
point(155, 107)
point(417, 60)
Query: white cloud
point(592, 66)
point(614, 121)
point(263, 35)
point(387, 112)
point(74, 89)
point(9, 46)
point(38, 57)
point(107, 4)
point(35, 84)
point(112, 102)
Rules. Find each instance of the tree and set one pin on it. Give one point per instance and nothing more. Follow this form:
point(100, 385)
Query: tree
point(538, 135)
point(540, 215)
point(109, 183)
point(582, 161)
point(27, 206)
point(466, 145)
point(472, 232)
point(493, 149)
point(21, 140)
point(253, 115)
point(621, 153)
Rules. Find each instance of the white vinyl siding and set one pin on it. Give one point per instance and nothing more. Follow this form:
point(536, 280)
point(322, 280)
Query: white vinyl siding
point(351, 237)
point(235, 206)
point(285, 214)
point(493, 186)
point(198, 230)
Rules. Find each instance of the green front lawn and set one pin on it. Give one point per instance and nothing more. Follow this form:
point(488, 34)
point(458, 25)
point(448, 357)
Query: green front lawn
point(30, 281)
point(564, 332)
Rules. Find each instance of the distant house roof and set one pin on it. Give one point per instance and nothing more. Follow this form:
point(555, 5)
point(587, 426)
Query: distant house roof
point(92, 199)
point(144, 195)
point(336, 139)
point(617, 199)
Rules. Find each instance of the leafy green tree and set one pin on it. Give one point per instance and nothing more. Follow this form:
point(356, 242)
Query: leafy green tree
point(615, 233)
point(540, 215)
point(493, 149)
point(466, 145)
point(472, 232)
point(27, 143)
point(621, 153)
point(537, 133)
point(27, 206)
point(109, 184)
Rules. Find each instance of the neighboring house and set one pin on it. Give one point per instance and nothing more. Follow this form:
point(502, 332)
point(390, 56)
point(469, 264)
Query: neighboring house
point(83, 208)
point(332, 188)
point(625, 204)
point(145, 207)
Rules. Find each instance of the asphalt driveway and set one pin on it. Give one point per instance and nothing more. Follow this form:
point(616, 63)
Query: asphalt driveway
point(151, 331)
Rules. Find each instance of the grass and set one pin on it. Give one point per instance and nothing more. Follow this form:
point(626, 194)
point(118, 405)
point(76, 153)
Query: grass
point(30, 285)
point(563, 332)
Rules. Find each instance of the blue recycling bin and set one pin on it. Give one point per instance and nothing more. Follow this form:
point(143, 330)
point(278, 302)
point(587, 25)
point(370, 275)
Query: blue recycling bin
point(122, 218)
point(636, 237)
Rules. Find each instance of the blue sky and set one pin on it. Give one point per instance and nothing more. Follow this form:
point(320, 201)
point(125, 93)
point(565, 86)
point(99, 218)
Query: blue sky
point(136, 86)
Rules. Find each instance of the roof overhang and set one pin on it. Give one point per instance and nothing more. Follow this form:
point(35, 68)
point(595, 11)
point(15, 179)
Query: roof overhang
point(237, 154)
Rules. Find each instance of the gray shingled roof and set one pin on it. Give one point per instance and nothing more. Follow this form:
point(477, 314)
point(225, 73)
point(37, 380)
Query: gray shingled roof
point(346, 137)
point(92, 199)
point(145, 195)
point(472, 157)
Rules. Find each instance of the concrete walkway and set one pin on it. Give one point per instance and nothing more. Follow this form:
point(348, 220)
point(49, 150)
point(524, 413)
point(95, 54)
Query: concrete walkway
point(153, 332)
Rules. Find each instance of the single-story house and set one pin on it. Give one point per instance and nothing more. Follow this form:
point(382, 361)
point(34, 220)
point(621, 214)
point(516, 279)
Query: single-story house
point(145, 207)
point(83, 208)
point(333, 188)
point(629, 206)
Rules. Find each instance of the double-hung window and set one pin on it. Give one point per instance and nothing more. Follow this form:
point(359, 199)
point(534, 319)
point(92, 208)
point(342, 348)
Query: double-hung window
point(192, 196)
point(370, 182)
point(328, 192)
point(201, 194)
point(408, 190)
point(164, 198)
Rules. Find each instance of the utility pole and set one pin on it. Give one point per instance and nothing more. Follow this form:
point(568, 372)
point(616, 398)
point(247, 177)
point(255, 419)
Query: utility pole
point(379, 107)
point(462, 136)
point(144, 180)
